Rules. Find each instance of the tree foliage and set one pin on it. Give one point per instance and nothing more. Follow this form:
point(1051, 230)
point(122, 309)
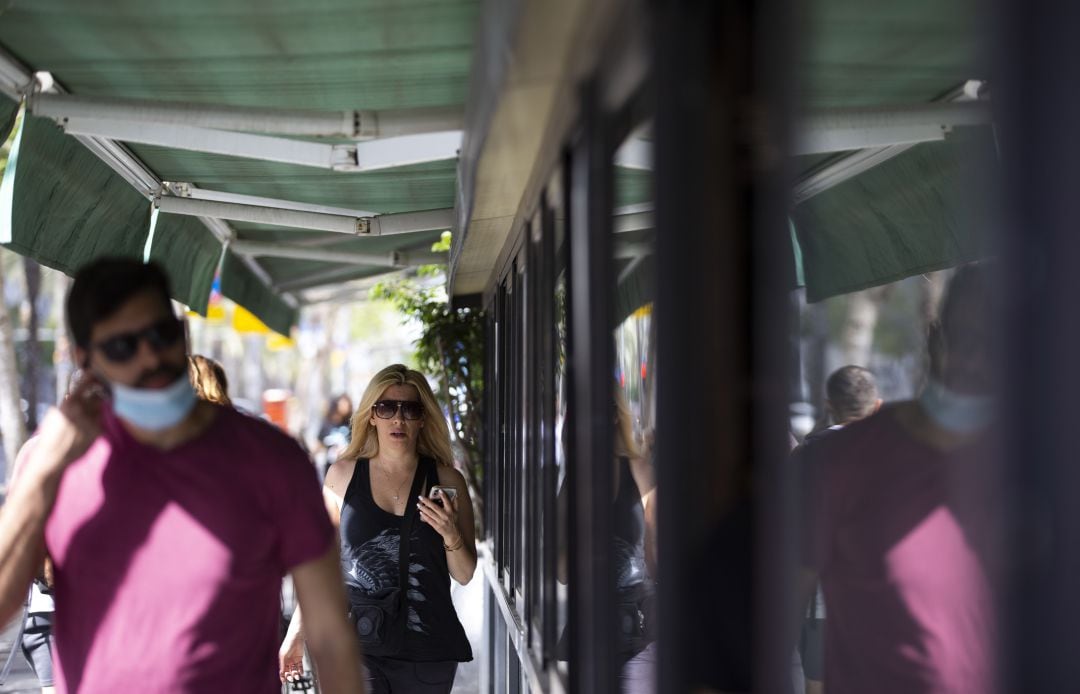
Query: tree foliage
point(451, 348)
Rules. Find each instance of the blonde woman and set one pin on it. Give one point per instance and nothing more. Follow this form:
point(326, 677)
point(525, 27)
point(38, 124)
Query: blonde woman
point(208, 378)
point(380, 486)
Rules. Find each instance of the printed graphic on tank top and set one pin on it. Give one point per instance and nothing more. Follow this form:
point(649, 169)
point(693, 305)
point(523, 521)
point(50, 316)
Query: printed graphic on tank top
point(370, 538)
point(635, 590)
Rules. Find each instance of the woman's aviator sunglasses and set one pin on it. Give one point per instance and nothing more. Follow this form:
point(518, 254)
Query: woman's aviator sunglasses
point(161, 335)
point(410, 409)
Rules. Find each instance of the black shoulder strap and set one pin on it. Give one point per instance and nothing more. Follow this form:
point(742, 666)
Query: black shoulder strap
point(412, 509)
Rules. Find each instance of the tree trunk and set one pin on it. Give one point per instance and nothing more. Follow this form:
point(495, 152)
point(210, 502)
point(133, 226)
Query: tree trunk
point(933, 289)
point(32, 347)
point(62, 357)
point(817, 322)
point(12, 427)
point(857, 335)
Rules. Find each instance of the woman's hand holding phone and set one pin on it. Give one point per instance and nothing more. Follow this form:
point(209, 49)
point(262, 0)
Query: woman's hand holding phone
point(441, 513)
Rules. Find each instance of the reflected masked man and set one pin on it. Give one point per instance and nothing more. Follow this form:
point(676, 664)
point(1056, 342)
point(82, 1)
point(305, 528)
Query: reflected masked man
point(170, 520)
point(901, 523)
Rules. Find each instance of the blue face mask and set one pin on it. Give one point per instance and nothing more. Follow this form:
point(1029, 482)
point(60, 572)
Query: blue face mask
point(154, 409)
point(959, 414)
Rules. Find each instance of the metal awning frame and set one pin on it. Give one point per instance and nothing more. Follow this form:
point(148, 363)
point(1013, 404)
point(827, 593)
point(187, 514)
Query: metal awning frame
point(372, 155)
point(842, 130)
point(19, 83)
point(186, 189)
point(380, 225)
point(316, 278)
point(842, 168)
point(356, 124)
point(394, 259)
point(408, 137)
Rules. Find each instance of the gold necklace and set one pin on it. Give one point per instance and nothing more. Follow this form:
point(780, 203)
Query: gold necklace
point(397, 492)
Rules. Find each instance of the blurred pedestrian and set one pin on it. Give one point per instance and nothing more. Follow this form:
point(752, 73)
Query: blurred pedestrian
point(901, 524)
point(36, 642)
point(335, 432)
point(170, 520)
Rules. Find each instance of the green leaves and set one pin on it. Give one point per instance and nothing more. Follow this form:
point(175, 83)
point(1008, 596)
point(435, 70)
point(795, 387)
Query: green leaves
point(451, 348)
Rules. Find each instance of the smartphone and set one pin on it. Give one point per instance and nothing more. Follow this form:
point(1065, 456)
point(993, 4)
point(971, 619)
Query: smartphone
point(447, 492)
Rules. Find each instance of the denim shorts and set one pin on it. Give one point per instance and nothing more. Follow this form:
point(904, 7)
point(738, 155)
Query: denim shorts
point(37, 646)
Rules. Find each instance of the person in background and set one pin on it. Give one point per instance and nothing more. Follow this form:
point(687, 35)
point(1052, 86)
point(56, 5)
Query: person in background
point(209, 380)
point(377, 493)
point(902, 513)
point(37, 638)
point(169, 520)
point(335, 432)
point(851, 394)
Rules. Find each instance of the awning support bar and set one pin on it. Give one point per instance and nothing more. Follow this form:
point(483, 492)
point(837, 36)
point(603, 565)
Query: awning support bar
point(841, 130)
point(844, 167)
point(382, 225)
point(357, 124)
point(190, 190)
point(363, 156)
point(396, 259)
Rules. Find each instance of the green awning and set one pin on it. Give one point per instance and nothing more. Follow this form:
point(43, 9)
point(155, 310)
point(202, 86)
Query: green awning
point(241, 285)
point(284, 54)
point(8, 110)
point(70, 208)
point(924, 210)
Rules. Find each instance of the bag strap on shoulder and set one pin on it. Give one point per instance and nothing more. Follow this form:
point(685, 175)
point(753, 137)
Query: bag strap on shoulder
point(412, 510)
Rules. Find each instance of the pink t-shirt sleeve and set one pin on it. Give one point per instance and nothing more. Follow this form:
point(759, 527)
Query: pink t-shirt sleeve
point(303, 526)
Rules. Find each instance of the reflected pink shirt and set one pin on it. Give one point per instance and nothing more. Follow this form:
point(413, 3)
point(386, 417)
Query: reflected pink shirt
point(169, 564)
point(904, 539)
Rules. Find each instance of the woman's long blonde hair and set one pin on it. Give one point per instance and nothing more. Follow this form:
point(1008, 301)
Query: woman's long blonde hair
point(208, 378)
point(434, 438)
point(625, 443)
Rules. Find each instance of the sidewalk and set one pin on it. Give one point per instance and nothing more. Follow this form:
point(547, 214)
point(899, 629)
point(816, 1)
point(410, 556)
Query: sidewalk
point(469, 601)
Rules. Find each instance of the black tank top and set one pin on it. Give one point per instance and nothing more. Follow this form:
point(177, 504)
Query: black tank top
point(628, 516)
point(369, 559)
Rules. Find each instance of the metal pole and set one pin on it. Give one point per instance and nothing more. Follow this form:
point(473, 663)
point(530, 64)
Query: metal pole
point(275, 250)
point(1035, 55)
point(233, 144)
point(263, 215)
point(354, 123)
point(407, 222)
point(590, 357)
point(721, 320)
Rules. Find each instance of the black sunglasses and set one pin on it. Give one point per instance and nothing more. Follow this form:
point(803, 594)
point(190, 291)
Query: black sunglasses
point(410, 409)
point(160, 336)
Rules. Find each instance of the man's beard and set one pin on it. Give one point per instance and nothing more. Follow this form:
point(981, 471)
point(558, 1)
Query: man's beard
point(169, 371)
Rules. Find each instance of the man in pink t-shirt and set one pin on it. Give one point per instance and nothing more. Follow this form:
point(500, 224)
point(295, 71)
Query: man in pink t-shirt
point(170, 521)
point(901, 524)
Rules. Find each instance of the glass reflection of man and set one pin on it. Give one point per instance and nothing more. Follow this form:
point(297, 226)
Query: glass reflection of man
point(900, 524)
point(851, 394)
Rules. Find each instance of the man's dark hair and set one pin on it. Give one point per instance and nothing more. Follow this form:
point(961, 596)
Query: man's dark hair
point(102, 286)
point(852, 393)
